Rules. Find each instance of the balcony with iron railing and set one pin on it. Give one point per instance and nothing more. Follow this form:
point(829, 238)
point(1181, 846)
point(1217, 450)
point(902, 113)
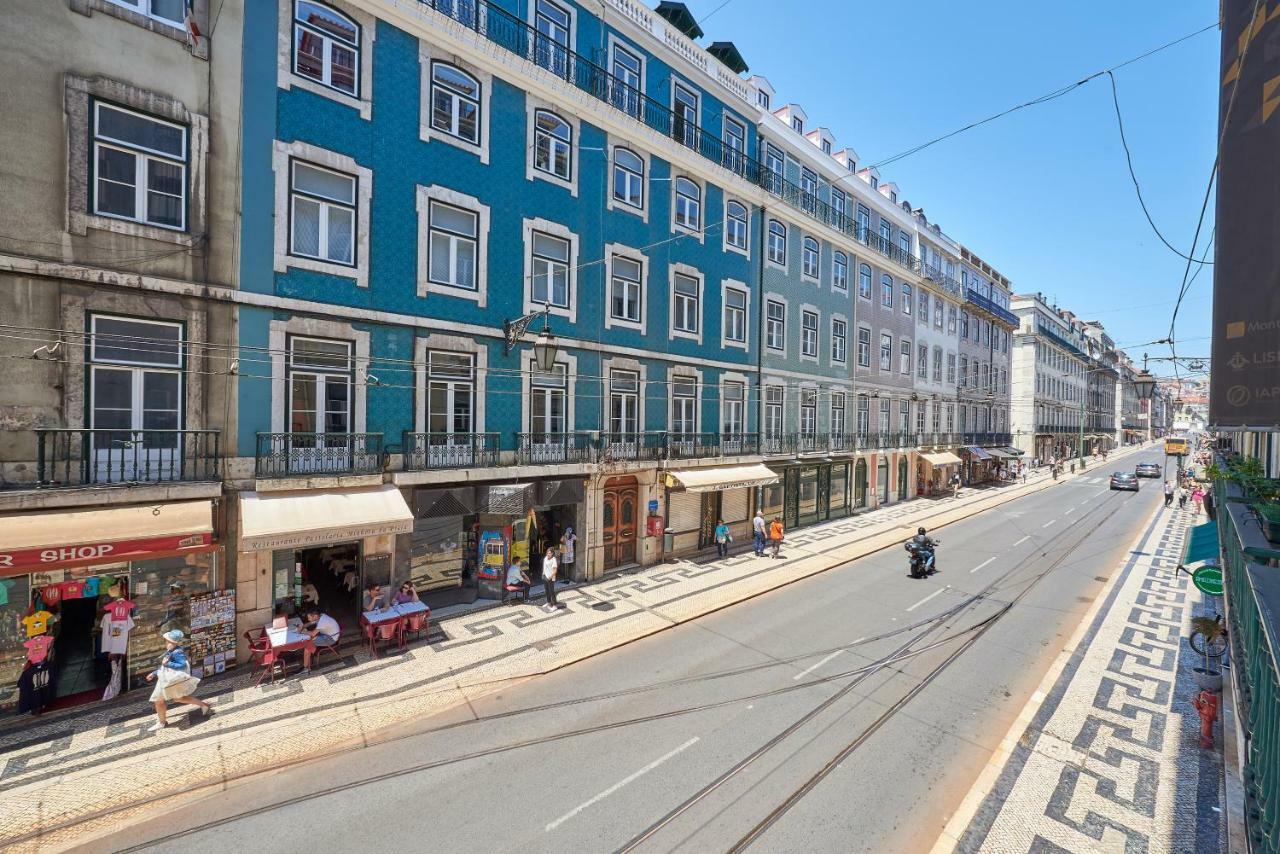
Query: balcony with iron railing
point(986, 439)
point(294, 454)
point(431, 451)
point(79, 457)
point(988, 305)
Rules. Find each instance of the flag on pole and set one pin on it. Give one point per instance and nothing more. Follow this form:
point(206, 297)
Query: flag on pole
point(193, 29)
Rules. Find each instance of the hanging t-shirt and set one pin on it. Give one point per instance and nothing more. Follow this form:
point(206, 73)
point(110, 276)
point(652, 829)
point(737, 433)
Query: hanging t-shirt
point(37, 623)
point(35, 688)
point(115, 636)
point(5, 584)
point(91, 588)
point(566, 543)
point(38, 648)
point(51, 593)
point(120, 609)
point(73, 590)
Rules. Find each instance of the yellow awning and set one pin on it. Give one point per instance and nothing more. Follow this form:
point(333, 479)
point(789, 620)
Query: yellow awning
point(724, 477)
point(942, 458)
point(59, 528)
point(296, 519)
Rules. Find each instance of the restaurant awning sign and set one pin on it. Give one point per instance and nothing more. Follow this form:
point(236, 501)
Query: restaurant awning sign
point(1245, 370)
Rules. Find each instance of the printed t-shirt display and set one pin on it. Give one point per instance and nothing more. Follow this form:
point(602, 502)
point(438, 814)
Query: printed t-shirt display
point(120, 609)
point(37, 623)
point(115, 636)
point(38, 648)
point(35, 688)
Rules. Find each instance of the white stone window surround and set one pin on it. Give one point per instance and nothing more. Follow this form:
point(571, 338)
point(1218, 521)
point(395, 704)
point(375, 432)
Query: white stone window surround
point(527, 369)
point(805, 277)
point(448, 196)
point(744, 251)
point(422, 346)
point(427, 53)
point(555, 229)
point(684, 372)
point(162, 27)
point(79, 93)
point(613, 142)
point(677, 228)
point(850, 271)
point(629, 252)
point(532, 106)
point(696, 274)
point(311, 327)
point(286, 79)
point(635, 366)
point(739, 378)
point(855, 345)
point(725, 286)
point(817, 348)
point(847, 329)
point(787, 319)
point(612, 44)
point(283, 153)
point(788, 232)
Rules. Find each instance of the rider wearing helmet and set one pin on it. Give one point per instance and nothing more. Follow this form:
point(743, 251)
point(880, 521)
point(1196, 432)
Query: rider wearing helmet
point(925, 544)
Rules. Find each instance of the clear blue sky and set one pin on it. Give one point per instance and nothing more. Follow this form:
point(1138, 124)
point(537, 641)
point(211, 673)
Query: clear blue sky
point(1043, 195)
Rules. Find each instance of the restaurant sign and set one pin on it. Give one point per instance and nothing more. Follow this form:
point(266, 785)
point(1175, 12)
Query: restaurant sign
point(90, 553)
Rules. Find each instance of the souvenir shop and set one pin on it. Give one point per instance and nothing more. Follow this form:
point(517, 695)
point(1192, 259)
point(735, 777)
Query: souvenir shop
point(465, 537)
point(81, 619)
point(935, 471)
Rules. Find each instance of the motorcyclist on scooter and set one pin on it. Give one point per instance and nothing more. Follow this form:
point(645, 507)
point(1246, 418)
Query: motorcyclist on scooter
point(924, 544)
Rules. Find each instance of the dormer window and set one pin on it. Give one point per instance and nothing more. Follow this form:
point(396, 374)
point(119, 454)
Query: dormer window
point(875, 182)
point(893, 197)
point(797, 124)
point(853, 166)
point(826, 147)
point(762, 98)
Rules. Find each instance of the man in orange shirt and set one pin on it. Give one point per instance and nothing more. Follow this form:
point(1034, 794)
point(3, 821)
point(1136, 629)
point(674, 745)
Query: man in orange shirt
point(775, 535)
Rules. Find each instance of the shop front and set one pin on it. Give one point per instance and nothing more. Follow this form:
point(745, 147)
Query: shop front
point(464, 537)
point(697, 499)
point(977, 466)
point(85, 596)
point(808, 493)
point(321, 547)
point(1004, 462)
point(934, 471)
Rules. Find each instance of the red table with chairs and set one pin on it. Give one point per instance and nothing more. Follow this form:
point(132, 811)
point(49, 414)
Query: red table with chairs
point(384, 625)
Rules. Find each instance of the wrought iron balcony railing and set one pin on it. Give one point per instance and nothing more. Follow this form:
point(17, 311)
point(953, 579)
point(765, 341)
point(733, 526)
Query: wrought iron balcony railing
point(428, 451)
point(692, 446)
point(291, 454)
point(988, 305)
point(544, 448)
point(616, 447)
point(66, 457)
point(739, 444)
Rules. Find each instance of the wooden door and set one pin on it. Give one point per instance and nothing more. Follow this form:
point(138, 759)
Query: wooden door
point(619, 519)
point(707, 519)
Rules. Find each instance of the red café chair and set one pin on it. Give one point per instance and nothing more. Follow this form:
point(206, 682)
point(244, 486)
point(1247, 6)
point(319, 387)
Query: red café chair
point(416, 623)
point(385, 632)
point(264, 657)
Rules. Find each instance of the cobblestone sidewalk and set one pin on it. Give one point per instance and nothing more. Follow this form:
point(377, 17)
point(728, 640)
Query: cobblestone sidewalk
point(73, 776)
point(1106, 755)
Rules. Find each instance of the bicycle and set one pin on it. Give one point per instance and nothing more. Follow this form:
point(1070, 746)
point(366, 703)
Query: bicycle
point(1208, 636)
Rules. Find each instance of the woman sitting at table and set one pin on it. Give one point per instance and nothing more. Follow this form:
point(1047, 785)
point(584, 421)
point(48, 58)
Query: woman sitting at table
point(374, 598)
point(324, 631)
point(407, 593)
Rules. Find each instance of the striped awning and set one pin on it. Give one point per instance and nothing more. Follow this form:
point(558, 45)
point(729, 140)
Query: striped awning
point(978, 453)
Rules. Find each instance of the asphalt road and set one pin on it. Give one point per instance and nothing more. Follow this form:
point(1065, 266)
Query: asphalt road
point(792, 721)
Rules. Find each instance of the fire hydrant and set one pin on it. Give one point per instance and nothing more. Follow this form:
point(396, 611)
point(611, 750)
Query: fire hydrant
point(1206, 703)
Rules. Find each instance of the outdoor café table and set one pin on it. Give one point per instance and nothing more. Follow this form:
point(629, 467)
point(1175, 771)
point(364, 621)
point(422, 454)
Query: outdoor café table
point(373, 619)
point(289, 640)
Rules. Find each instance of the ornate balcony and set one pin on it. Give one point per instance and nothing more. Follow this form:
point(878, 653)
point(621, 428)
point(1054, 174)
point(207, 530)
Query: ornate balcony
point(548, 448)
point(85, 457)
point(292, 454)
point(429, 451)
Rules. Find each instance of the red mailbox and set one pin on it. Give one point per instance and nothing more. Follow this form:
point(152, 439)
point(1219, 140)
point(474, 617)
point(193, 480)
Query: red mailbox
point(654, 527)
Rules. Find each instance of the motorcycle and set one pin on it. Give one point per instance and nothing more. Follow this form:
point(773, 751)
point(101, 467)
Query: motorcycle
point(918, 558)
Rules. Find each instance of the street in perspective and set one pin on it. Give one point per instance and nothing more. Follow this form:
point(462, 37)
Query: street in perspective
point(521, 425)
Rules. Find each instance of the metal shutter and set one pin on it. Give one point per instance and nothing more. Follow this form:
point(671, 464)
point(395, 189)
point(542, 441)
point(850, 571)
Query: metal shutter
point(733, 504)
point(685, 510)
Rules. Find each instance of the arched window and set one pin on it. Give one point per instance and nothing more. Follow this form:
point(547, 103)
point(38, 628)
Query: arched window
point(906, 298)
point(864, 281)
point(777, 242)
point(886, 290)
point(840, 271)
point(628, 177)
point(809, 258)
point(688, 204)
point(735, 224)
point(455, 102)
point(552, 145)
point(326, 47)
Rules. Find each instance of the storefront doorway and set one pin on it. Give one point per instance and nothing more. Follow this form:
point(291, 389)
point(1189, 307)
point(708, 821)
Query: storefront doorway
point(860, 483)
point(902, 478)
point(882, 480)
point(708, 518)
point(328, 576)
point(618, 521)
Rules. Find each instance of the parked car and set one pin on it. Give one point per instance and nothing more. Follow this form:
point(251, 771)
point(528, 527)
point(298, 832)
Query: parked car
point(1124, 480)
point(1147, 470)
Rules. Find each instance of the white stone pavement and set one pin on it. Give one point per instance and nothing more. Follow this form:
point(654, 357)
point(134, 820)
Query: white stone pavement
point(71, 777)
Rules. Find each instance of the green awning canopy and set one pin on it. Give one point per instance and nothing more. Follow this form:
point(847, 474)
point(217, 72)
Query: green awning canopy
point(1202, 544)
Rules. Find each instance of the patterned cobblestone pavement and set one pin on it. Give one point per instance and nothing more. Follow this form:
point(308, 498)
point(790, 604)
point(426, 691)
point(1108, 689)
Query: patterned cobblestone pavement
point(73, 775)
point(1106, 755)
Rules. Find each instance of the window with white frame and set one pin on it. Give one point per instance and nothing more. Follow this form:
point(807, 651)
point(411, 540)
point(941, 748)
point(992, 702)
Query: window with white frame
point(773, 400)
point(808, 189)
point(684, 405)
point(762, 98)
point(951, 369)
point(626, 69)
point(904, 358)
point(904, 245)
point(864, 281)
point(139, 167)
point(773, 164)
point(735, 224)
point(886, 352)
point(839, 340)
point(733, 408)
point(840, 271)
point(863, 424)
point(839, 206)
point(688, 204)
point(455, 102)
point(884, 416)
point(837, 426)
point(548, 400)
point(628, 178)
point(322, 213)
point(924, 307)
point(863, 218)
point(808, 413)
point(135, 384)
point(320, 381)
point(549, 262)
point(809, 333)
point(937, 364)
point(775, 325)
point(951, 318)
point(936, 413)
point(937, 312)
point(886, 237)
point(552, 145)
point(552, 24)
point(906, 299)
point(886, 291)
point(826, 146)
point(625, 289)
point(451, 393)
point(684, 125)
point(735, 315)
point(809, 258)
point(921, 409)
point(797, 124)
point(904, 415)
point(864, 347)
point(735, 144)
point(777, 242)
point(964, 324)
point(951, 417)
point(922, 362)
point(964, 371)
point(326, 44)
point(452, 245)
point(624, 401)
point(685, 303)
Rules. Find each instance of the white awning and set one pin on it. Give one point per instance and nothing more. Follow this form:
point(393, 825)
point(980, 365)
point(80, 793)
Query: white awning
point(725, 477)
point(1001, 453)
point(942, 458)
point(49, 529)
point(295, 519)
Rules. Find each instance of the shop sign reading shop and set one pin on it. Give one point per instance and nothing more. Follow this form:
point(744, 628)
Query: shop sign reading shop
point(90, 553)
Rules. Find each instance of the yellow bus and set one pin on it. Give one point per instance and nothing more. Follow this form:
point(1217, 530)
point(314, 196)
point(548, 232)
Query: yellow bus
point(1175, 446)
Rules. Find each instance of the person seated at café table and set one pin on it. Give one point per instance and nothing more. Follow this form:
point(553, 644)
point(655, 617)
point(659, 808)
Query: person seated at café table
point(517, 579)
point(374, 598)
point(324, 631)
point(406, 593)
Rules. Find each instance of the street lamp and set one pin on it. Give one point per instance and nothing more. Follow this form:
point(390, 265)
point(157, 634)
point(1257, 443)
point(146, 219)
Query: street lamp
point(544, 347)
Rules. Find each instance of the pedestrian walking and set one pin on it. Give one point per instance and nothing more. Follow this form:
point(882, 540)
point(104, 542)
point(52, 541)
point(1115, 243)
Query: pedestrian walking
point(722, 539)
point(1197, 498)
point(955, 485)
point(174, 682)
point(550, 566)
point(1024, 474)
point(758, 528)
point(1168, 493)
point(775, 535)
point(1182, 498)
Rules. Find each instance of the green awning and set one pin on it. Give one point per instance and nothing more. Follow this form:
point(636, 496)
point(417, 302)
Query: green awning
point(1202, 544)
